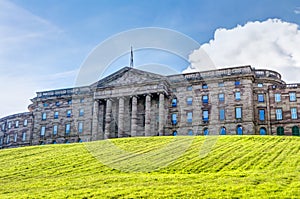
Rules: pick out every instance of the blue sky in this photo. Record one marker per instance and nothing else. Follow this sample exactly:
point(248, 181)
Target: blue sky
point(43, 43)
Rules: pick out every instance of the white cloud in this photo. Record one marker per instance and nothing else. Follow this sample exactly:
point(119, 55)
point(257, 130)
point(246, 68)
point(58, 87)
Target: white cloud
point(271, 44)
point(297, 11)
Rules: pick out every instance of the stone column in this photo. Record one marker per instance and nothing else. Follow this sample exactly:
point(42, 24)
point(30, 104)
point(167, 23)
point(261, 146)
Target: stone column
point(108, 119)
point(95, 120)
point(121, 118)
point(148, 115)
point(134, 117)
point(161, 114)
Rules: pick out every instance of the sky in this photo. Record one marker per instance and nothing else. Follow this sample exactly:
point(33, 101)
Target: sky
point(43, 44)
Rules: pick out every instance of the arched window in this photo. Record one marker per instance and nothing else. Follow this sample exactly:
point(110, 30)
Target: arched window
point(174, 133)
point(205, 131)
point(223, 131)
point(262, 131)
point(174, 102)
point(239, 130)
point(295, 131)
point(280, 130)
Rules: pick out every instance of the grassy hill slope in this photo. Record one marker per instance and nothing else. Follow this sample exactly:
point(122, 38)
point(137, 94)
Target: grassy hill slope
point(155, 167)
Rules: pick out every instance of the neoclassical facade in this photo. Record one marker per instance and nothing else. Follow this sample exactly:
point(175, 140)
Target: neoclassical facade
point(131, 102)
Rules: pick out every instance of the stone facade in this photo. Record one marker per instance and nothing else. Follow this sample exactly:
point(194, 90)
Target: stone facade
point(131, 102)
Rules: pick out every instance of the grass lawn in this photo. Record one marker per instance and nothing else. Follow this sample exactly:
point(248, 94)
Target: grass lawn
point(155, 167)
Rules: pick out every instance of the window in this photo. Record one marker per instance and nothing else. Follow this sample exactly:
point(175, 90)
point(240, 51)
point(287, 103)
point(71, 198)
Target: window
point(24, 136)
point(261, 113)
point(294, 113)
point(277, 97)
point(1, 140)
point(17, 124)
point(80, 127)
point(205, 115)
point(25, 122)
point(82, 100)
point(189, 88)
point(3, 127)
point(190, 132)
point(237, 95)
point(174, 118)
point(278, 114)
point(260, 85)
point(295, 131)
point(205, 99)
point(57, 103)
point(9, 125)
point(44, 116)
point(45, 104)
point(8, 139)
point(221, 84)
point(81, 112)
point(43, 130)
point(70, 102)
point(69, 113)
point(280, 130)
point(55, 129)
point(223, 131)
point(238, 112)
point(189, 101)
point(222, 114)
point(260, 97)
point(204, 86)
point(174, 133)
point(16, 137)
point(239, 130)
point(68, 128)
point(292, 96)
point(56, 115)
point(205, 131)
point(174, 102)
point(189, 117)
point(237, 83)
point(221, 97)
point(262, 131)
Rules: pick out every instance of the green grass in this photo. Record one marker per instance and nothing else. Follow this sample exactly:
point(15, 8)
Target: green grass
point(155, 167)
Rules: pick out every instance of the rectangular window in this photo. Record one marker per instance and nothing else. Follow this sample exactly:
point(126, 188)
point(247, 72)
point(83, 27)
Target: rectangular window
point(24, 136)
point(17, 124)
point(25, 122)
point(44, 116)
point(70, 102)
point(222, 114)
point(189, 101)
point(8, 139)
point(68, 128)
point(205, 115)
point(261, 114)
point(294, 113)
point(260, 97)
point(56, 115)
point(81, 112)
point(57, 103)
point(292, 96)
point(277, 97)
point(237, 95)
point(221, 97)
point(55, 129)
point(9, 125)
point(237, 83)
point(82, 100)
point(205, 99)
point(69, 113)
point(278, 114)
point(3, 127)
point(45, 104)
point(1, 140)
point(189, 88)
point(221, 84)
point(259, 85)
point(16, 137)
point(43, 130)
point(174, 118)
point(189, 117)
point(238, 112)
point(204, 86)
point(80, 127)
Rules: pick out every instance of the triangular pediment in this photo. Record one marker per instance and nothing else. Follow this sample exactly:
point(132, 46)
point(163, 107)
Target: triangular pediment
point(129, 76)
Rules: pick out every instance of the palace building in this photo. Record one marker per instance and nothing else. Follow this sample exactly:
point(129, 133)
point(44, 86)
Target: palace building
point(131, 102)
